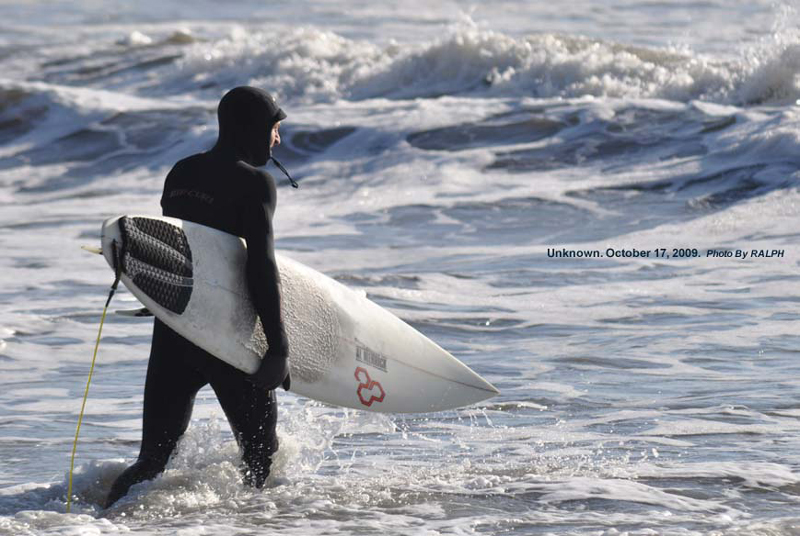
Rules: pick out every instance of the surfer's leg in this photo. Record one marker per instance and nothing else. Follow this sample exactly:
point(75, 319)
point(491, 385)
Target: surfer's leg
point(253, 415)
point(169, 393)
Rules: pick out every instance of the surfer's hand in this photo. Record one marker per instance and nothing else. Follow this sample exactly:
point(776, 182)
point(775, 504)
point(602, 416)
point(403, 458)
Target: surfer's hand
point(287, 383)
point(273, 371)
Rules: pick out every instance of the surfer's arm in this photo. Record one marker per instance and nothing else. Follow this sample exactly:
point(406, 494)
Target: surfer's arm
point(263, 278)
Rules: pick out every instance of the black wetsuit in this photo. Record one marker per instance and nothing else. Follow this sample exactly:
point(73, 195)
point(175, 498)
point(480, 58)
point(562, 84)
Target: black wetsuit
point(220, 188)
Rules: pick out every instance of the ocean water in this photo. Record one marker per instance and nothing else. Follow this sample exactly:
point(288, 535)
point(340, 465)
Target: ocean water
point(462, 164)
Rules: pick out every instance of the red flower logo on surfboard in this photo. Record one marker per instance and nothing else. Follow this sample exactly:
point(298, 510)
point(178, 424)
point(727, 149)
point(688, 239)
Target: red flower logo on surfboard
point(368, 387)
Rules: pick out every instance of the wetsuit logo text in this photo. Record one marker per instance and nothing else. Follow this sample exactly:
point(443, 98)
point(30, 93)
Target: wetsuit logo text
point(196, 194)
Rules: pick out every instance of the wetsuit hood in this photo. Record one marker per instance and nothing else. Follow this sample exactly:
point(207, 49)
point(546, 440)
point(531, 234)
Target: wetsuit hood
point(246, 117)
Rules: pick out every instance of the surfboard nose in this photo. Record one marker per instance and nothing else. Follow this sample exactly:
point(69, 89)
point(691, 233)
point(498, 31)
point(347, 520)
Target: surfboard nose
point(474, 388)
point(485, 385)
point(452, 385)
point(446, 382)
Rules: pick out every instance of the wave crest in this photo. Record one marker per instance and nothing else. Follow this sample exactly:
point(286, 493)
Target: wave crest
point(317, 66)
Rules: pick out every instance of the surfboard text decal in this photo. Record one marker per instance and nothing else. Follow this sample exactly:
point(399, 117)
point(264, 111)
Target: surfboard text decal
point(369, 391)
point(370, 357)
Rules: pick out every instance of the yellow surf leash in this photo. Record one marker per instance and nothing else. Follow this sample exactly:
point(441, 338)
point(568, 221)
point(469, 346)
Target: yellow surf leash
point(89, 381)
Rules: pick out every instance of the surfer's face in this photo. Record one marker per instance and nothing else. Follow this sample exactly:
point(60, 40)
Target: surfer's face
point(274, 135)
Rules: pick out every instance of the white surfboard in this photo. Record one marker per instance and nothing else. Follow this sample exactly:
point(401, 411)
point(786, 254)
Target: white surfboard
point(344, 349)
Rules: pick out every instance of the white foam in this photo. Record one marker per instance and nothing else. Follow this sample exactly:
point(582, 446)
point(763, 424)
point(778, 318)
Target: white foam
point(311, 64)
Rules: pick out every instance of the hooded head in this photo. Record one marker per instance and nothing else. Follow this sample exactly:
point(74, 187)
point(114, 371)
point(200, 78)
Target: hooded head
point(246, 117)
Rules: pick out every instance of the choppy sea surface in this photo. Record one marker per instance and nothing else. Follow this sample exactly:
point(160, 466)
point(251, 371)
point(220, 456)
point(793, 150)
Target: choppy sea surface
point(454, 162)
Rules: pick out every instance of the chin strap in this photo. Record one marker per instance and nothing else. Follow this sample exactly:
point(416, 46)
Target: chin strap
point(280, 166)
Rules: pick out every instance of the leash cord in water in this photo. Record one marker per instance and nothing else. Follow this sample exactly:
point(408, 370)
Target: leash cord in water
point(89, 381)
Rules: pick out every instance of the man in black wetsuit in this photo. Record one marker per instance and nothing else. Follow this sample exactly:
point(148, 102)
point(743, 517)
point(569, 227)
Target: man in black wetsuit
point(221, 188)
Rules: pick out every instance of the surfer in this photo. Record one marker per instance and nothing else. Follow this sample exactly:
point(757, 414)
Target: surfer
point(222, 188)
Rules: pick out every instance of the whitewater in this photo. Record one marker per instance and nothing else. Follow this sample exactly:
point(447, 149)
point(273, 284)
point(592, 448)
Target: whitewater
point(443, 153)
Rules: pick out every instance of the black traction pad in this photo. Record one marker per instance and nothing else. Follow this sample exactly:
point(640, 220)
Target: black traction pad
point(157, 258)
